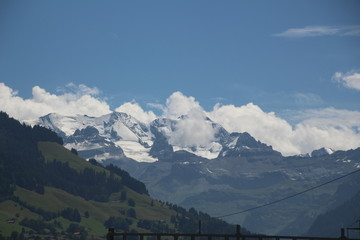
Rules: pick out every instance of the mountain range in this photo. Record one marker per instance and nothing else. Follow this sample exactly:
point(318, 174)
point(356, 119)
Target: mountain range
point(230, 173)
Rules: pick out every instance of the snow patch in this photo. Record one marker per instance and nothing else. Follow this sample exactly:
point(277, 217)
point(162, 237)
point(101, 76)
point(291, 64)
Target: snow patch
point(136, 151)
point(210, 152)
point(329, 150)
point(233, 143)
point(124, 132)
point(104, 156)
point(185, 163)
point(83, 146)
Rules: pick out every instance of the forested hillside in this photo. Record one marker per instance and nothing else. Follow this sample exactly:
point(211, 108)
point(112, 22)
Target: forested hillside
point(47, 191)
point(19, 155)
point(23, 164)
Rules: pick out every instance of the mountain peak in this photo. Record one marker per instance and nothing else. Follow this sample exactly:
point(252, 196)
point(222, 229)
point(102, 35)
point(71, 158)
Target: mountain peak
point(322, 152)
point(243, 144)
point(89, 130)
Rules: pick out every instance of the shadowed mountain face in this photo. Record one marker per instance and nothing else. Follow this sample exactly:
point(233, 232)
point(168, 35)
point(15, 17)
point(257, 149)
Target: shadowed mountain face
point(242, 173)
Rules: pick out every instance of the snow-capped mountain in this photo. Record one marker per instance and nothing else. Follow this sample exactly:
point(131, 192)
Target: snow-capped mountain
point(240, 144)
point(115, 135)
point(118, 135)
point(322, 152)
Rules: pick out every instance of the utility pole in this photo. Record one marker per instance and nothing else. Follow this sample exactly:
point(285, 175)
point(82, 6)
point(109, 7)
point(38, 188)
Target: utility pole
point(342, 234)
point(110, 234)
point(238, 232)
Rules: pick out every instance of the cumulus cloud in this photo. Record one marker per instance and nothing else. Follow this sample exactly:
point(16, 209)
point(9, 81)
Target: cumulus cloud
point(337, 129)
point(193, 130)
point(329, 127)
point(134, 109)
point(266, 127)
point(42, 102)
point(349, 79)
point(178, 104)
point(309, 137)
point(315, 31)
point(310, 129)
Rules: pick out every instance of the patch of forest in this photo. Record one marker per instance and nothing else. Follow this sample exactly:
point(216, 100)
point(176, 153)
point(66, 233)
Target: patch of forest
point(22, 164)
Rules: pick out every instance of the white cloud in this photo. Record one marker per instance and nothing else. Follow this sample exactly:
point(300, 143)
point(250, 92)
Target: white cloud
point(314, 31)
point(309, 31)
point(85, 90)
point(42, 102)
point(266, 127)
point(79, 90)
point(313, 129)
point(192, 127)
point(193, 130)
point(329, 127)
point(178, 104)
point(329, 117)
point(349, 79)
point(134, 109)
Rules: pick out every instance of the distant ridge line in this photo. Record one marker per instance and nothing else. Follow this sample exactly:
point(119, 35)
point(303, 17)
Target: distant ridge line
point(291, 196)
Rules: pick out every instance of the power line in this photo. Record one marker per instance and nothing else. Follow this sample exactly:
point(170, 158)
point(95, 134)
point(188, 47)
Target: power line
point(291, 196)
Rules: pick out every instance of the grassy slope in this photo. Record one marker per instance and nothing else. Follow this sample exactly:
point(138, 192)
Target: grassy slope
point(52, 151)
point(55, 200)
point(9, 210)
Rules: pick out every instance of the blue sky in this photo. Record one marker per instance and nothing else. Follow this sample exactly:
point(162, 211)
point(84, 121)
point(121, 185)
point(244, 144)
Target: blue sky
point(287, 57)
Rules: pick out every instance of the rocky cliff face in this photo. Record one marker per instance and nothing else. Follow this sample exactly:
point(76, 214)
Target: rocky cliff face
point(243, 145)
